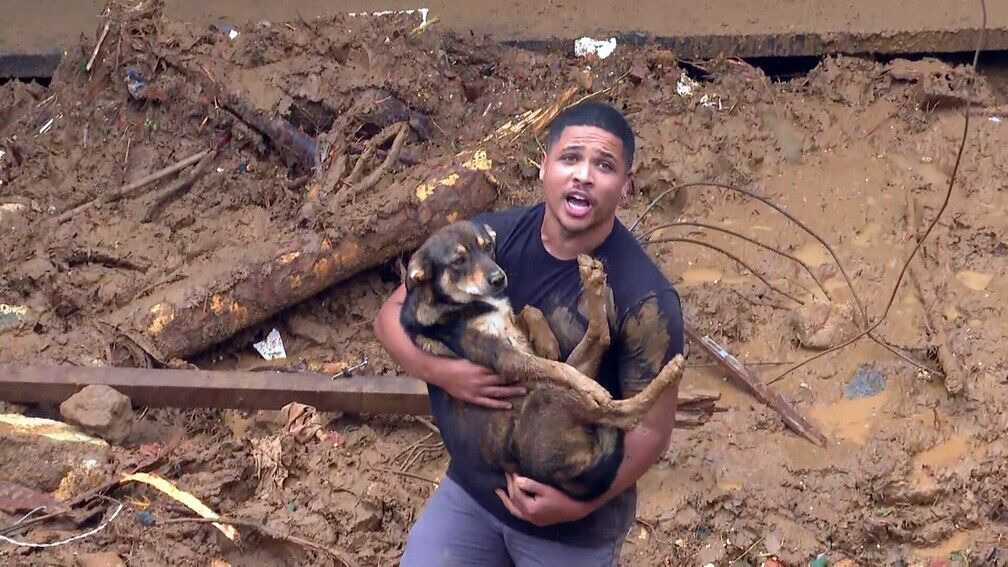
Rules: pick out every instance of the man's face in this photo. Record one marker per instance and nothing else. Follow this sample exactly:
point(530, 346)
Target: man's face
point(584, 176)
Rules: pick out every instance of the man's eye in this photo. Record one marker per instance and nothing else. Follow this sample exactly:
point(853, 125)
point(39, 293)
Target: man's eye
point(569, 158)
point(606, 166)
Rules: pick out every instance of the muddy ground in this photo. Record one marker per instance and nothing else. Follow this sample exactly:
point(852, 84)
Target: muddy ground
point(911, 472)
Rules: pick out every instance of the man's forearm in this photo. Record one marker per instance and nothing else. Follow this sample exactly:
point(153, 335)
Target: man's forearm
point(400, 346)
point(643, 446)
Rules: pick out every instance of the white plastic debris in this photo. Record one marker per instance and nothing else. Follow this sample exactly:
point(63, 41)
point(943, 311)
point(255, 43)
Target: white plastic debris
point(422, 11)
point(994, 119)
point(271, 348)
point(712, 101)
point(686, 86)
point(601, 47)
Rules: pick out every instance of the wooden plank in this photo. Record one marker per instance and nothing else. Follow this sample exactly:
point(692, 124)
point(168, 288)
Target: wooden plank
point(761, 391)
point(399, 395)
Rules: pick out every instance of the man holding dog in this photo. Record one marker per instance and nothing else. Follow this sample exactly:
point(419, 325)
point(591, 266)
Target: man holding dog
point(479, 516)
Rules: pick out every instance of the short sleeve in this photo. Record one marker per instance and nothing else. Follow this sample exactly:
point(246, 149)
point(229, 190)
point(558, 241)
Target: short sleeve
point(651, 334)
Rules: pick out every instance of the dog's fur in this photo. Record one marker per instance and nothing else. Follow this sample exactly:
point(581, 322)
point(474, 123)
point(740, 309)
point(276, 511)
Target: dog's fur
point(567, 431)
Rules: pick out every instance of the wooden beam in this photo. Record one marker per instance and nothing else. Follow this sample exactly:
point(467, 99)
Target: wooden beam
point(399, 395)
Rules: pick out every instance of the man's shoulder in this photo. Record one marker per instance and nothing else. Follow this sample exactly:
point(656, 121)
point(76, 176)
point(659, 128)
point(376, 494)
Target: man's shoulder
point(504, 217)
point(505, 222)
point(632, 273)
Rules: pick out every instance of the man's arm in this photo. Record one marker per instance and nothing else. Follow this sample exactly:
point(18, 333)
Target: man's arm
point(459, 377)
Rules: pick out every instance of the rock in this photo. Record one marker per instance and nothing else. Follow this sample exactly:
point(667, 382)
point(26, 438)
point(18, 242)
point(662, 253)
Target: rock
point(102, 559)
point(39, 453)
point(819, 561)
point(367, 517)
point(100, 410)
point(867, 382)
point(820, 325)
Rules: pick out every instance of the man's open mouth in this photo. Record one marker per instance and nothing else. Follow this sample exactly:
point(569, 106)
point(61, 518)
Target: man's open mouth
point(577, 204)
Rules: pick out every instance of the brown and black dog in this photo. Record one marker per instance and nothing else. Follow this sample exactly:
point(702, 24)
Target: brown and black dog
point(567, 431)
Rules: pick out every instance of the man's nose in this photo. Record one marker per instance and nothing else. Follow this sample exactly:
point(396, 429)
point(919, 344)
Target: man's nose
point(582, 171)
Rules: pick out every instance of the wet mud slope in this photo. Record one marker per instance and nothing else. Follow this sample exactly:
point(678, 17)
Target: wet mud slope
point(861, 151)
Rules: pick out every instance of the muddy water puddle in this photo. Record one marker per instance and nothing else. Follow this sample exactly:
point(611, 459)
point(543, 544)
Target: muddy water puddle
point(850, 420)
point(977, 281)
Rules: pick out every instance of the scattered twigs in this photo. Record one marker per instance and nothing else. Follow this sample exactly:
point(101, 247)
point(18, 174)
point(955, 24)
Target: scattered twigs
point(409, 475)
point(77, 537)
point(772, 205)
point(927, 232)
point(87, 496)
point(266, 531)
point(108, 259)
point(764, 394)
point(390, 158)
point(765, 246)
point(129, 188)
point(353, 185)
point(97, 47)
point(169, 193)
point(754, 271)
point(929, 300)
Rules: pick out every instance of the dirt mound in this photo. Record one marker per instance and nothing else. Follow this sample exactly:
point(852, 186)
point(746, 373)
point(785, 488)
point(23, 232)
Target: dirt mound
point(910, 472)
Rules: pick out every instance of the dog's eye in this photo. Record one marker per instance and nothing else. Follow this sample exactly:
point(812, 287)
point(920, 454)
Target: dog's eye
point(458, 261)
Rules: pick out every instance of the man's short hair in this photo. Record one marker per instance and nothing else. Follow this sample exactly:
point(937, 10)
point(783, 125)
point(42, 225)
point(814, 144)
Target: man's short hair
point(599, 115)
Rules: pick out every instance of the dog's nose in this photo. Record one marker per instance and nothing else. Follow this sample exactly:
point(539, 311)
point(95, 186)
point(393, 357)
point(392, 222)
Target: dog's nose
point(498, 280)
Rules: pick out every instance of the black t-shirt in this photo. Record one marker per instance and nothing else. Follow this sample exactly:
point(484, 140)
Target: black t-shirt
point(646, 329)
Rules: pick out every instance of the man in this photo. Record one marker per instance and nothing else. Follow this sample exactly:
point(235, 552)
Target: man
point(479, 516)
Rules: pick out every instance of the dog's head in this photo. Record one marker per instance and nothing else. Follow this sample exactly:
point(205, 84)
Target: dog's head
point(457, 263)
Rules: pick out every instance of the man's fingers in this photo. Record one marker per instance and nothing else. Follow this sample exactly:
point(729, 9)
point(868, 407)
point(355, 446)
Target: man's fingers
point(491, 403)
point(509, 505)
point(528, 485)
point(503, 391)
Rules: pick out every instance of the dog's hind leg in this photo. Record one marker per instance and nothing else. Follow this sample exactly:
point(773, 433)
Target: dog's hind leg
point(587, 355)
point(538, 331)
point(626, 414)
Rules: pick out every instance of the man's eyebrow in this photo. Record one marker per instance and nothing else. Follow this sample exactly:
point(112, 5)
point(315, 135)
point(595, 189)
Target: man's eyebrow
point(573, 147)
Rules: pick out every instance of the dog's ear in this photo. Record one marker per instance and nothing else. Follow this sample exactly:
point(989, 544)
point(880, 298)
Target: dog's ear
point(418, 271)
point(490, 232)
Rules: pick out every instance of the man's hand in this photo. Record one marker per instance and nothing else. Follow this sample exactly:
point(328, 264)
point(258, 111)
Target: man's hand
point(462, 379)
point(475, 384)
point(540, 504)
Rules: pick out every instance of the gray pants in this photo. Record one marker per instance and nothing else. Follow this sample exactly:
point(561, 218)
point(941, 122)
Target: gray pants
point(455, 531)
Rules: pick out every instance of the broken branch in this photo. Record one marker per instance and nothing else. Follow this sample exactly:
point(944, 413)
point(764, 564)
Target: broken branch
point(125, 190)
point(755, 272)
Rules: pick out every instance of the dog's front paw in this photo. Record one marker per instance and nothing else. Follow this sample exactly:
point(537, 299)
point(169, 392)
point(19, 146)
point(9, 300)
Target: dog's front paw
point(592, 272)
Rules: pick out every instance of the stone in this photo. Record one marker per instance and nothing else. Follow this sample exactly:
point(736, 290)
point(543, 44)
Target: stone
point(820, 325)
point(868, 381)
point(40, 453)
point(101, 559)
point(100, 410)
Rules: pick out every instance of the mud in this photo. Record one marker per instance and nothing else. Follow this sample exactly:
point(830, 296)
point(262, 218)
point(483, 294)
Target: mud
point(912, 472)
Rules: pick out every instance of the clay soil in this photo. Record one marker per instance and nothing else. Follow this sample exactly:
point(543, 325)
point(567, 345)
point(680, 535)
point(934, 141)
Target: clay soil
point(913, 472)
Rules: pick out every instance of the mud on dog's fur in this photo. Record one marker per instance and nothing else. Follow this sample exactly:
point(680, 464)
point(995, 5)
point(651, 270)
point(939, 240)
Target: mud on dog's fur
point(567, 431)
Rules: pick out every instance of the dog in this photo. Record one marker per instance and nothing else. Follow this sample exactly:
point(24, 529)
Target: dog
point(566, 431)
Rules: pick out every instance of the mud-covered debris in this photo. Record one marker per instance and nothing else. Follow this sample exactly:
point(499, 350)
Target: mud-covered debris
point(12, 316)
point(39, 453)
point(821, 325)
point(367, 517)
point(17, 499)
point(867, 382)
point(100, 559)
point(100, 410)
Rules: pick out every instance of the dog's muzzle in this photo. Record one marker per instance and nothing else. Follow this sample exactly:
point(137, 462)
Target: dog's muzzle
point(498, 280)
